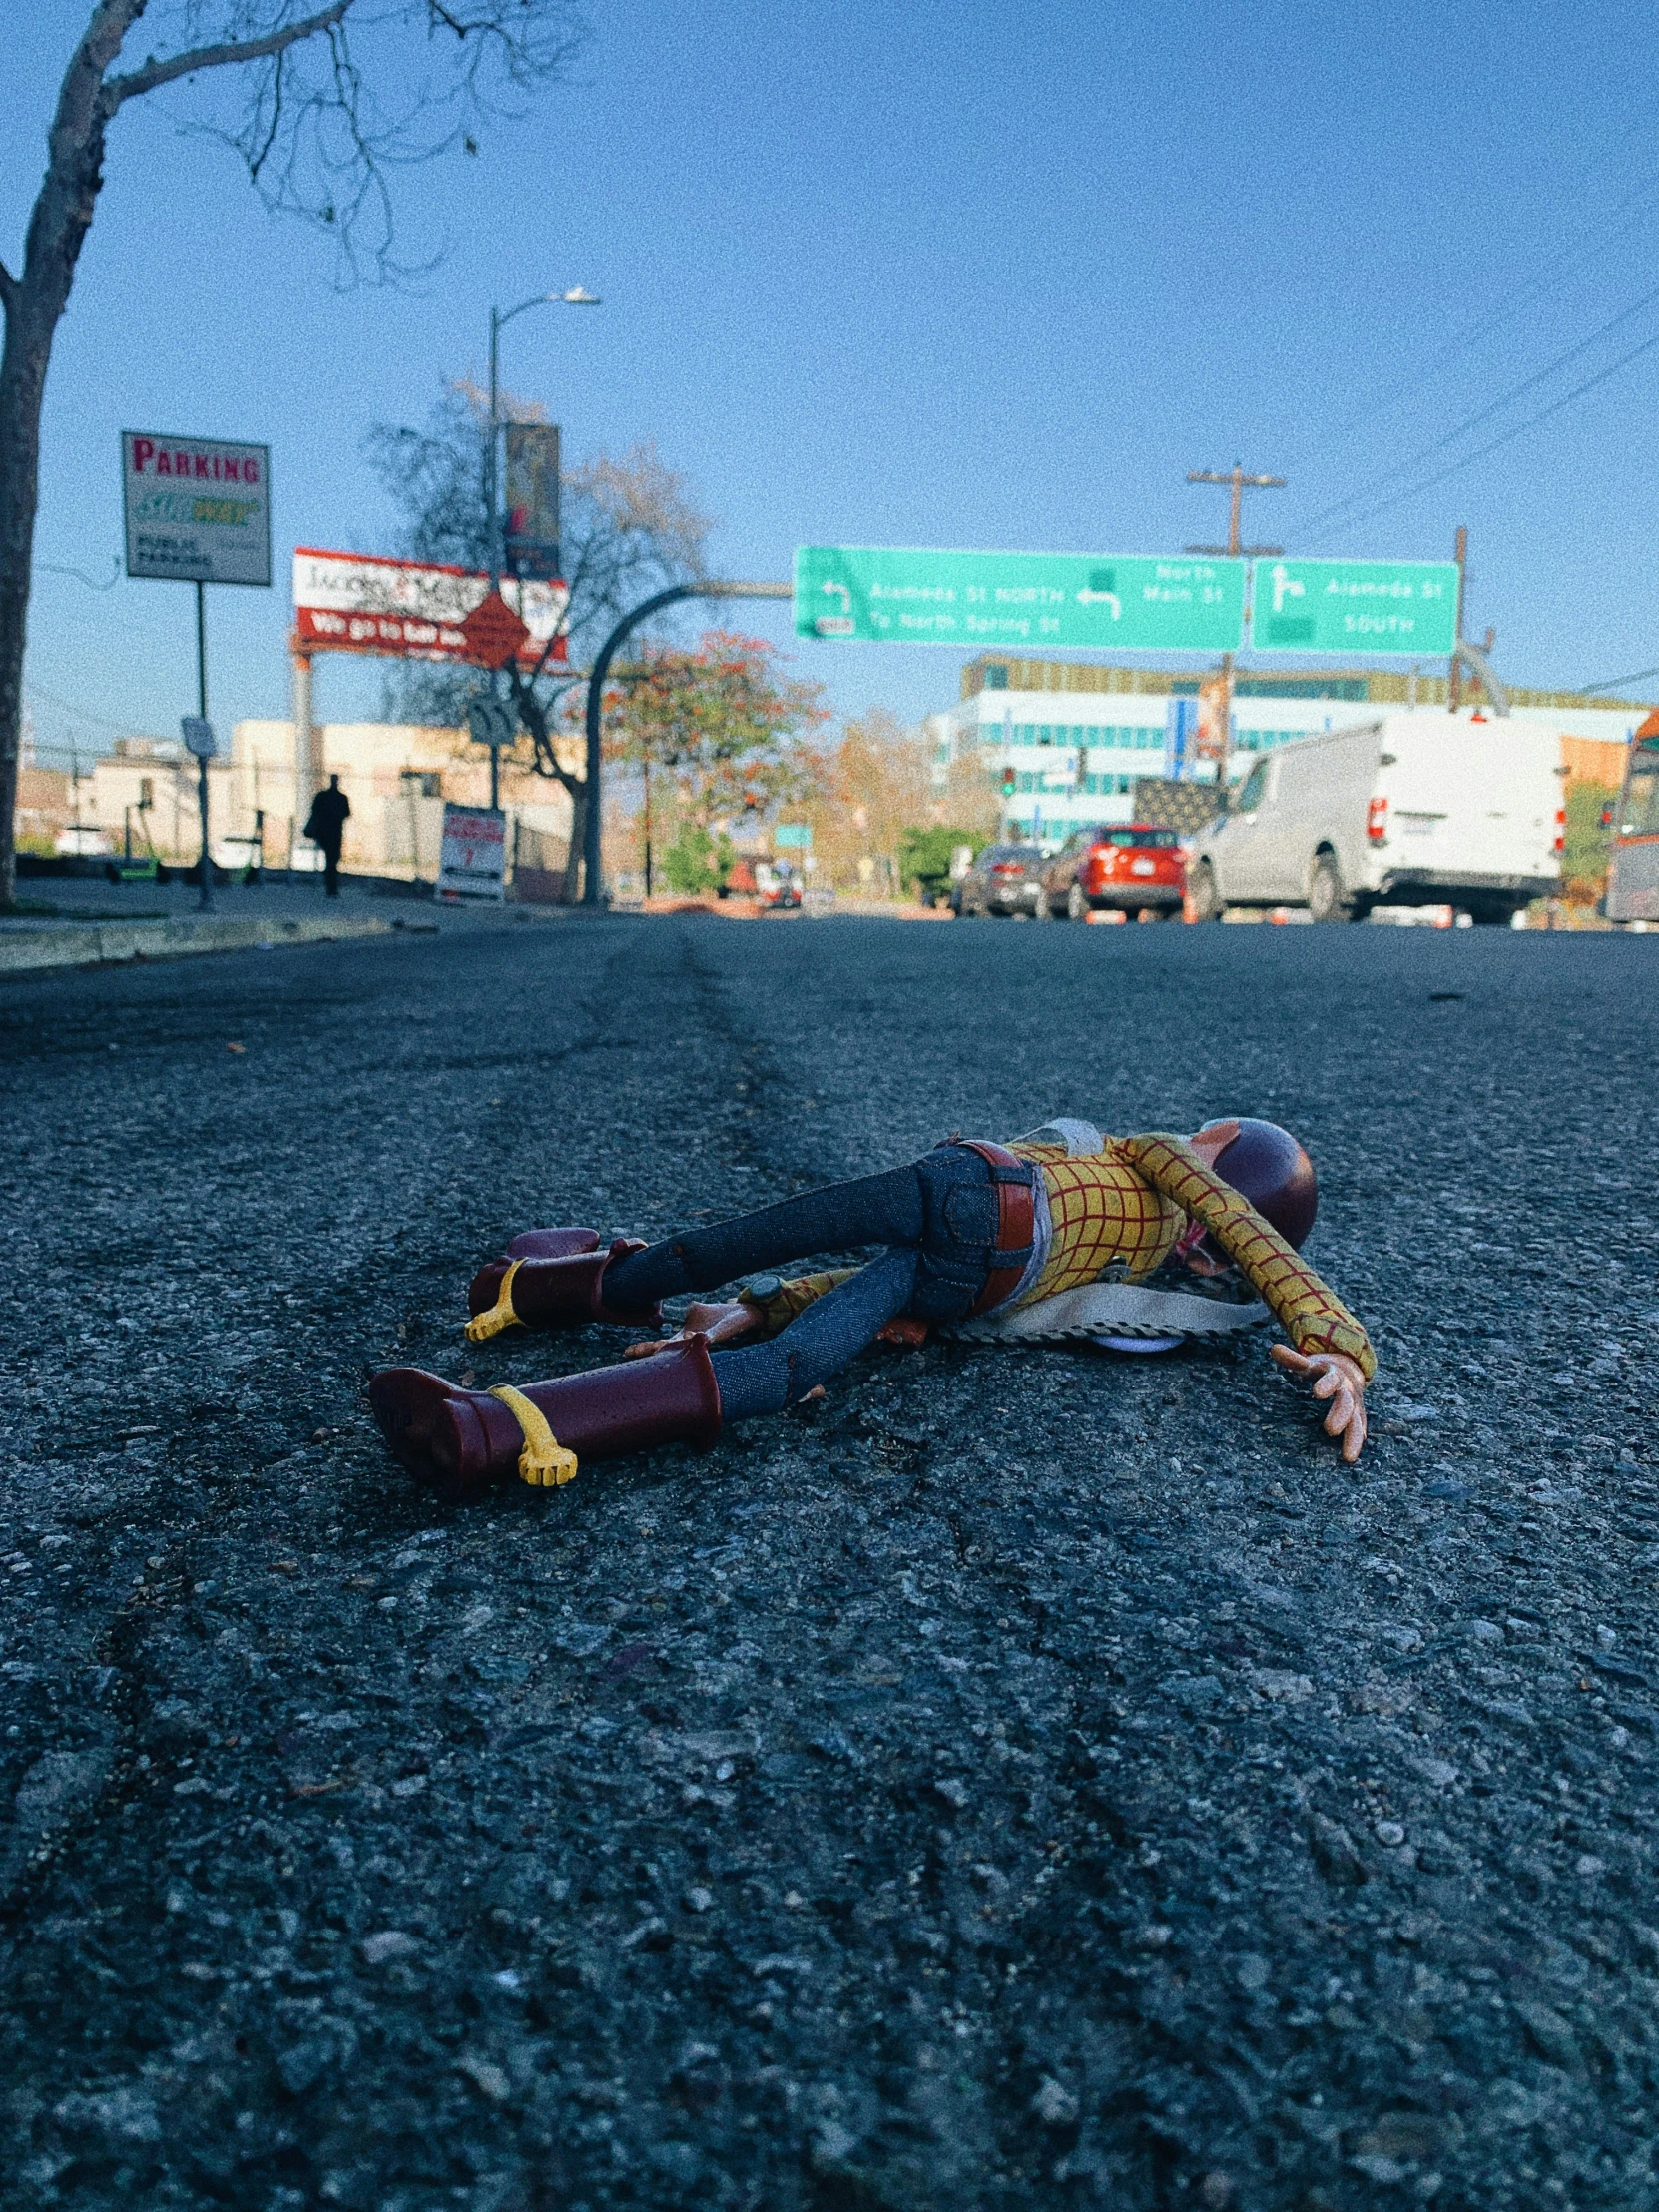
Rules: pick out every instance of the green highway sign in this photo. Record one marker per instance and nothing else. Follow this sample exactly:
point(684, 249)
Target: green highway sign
point(1407, 607)
point(1036, 600)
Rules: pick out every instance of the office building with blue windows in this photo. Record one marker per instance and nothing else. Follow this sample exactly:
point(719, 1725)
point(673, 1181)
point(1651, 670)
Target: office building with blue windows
point(1075, 737)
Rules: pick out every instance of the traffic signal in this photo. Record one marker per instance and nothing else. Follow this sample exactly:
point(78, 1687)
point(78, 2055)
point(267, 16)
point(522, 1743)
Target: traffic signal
point(1009, 782)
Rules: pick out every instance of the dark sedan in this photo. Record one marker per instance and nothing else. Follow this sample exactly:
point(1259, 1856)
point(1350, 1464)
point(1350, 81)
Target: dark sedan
point(1005, 879)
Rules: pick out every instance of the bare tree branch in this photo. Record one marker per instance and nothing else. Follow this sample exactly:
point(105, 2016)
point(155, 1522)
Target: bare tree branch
point(320, 133)
point(154, 73)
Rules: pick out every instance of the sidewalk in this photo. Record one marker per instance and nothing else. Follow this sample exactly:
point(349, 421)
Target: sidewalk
point(79, 923)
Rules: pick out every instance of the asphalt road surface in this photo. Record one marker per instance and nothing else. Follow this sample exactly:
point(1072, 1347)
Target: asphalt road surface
point(1021, 1777)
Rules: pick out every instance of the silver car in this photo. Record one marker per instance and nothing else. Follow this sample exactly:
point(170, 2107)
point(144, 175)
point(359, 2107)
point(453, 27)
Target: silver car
point(1005, 879)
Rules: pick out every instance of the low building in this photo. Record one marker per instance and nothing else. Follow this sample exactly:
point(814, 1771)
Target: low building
point(397, 775)
point(1075, 737)
point(141, 796)
point(45, 808)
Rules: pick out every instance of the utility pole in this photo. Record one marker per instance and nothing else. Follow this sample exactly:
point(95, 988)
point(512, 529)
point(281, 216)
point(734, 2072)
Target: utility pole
point(1454, 674)
point(1233, 550)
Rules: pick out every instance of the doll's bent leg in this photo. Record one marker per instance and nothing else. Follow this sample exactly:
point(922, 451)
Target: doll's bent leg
point(764, 1378)
point(462, 1439)
point(945, 1207)
point(882, 1208)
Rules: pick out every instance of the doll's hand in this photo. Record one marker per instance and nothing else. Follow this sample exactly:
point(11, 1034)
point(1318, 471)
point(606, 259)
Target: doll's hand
point(723, 1324)
point(1337, 1378)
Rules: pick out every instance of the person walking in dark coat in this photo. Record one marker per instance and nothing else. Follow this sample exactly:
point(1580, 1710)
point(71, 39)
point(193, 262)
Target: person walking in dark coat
point(325, 827)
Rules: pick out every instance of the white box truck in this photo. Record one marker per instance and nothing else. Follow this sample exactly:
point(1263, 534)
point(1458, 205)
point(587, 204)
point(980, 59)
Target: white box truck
point(1416, 808)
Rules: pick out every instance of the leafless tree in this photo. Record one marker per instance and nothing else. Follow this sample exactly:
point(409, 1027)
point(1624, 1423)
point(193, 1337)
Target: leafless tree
point(629, 528)
point(321, 108)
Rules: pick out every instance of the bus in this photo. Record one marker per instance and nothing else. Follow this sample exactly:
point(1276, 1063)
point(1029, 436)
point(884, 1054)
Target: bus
point(1634, 874)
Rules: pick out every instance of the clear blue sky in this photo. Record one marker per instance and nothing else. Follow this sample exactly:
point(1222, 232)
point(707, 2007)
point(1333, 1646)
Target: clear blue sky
point(963, 276)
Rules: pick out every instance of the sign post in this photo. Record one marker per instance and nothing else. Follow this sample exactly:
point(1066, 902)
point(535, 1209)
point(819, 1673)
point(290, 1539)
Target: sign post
point(1405, 607)
point(1124, 601)
point(196, 510)
point(199, 739)
point(493, 721)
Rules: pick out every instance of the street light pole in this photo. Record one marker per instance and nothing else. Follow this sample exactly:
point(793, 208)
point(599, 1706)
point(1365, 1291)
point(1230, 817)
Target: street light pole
point(593, 883)
point(576, 298)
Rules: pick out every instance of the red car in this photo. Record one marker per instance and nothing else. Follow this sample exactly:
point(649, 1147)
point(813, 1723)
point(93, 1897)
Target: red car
point(1122, 866)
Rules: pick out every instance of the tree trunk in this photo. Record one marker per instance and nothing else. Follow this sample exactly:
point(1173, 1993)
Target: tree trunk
point(34, 303)
point(533, 712)
point(22, 387)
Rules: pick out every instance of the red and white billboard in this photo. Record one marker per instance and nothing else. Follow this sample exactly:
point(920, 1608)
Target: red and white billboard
point(361, 603)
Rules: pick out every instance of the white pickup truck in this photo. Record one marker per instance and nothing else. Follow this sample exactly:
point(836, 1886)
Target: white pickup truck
point(1416, 808)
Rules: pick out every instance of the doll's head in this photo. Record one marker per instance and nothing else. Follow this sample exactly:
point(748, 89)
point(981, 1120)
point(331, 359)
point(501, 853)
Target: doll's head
point(1267, 1166)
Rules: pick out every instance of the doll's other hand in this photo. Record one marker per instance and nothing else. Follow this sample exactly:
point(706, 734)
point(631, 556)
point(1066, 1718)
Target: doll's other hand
point(1337, 1378)
point(726, 1322)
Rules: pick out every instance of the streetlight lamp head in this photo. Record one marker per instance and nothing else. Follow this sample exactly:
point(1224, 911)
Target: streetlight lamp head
point(579, 298)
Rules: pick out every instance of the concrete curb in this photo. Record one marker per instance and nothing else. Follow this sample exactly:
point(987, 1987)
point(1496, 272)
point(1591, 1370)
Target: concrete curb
point(95, 944)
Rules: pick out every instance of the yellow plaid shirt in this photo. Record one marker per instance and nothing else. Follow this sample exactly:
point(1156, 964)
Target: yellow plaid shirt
point(1102, 1213)
point(1129, 1204)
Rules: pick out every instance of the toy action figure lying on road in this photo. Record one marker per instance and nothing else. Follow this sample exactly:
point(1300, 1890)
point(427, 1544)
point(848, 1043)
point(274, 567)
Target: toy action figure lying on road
point(983, 1240)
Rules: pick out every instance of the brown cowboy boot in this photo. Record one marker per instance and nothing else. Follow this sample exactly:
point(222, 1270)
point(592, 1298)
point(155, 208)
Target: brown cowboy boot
point(462, 1440)
point(553, 1243)
point(551, 1289)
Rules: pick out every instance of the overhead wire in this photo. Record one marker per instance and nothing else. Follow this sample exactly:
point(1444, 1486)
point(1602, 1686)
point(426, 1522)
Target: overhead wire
point(85, 713)
point(1485, 323)
point(1612, 683)
point(1484, 414)
point(1505, 437)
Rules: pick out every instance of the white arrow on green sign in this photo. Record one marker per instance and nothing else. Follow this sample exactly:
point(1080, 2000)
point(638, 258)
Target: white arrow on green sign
point(1130, 601)
point(1407, 607)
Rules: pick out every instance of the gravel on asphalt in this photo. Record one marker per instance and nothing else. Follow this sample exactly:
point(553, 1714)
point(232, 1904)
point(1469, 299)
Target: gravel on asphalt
point(1022, 1777)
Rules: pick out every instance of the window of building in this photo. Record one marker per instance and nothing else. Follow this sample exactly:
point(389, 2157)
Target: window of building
point(420, 782)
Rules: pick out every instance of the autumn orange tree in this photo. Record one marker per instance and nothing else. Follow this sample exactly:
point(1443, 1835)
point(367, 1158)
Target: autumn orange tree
point(878, 793)
point(727, 727)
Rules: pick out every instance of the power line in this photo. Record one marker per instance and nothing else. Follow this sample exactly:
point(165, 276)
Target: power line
point(1484, 414)
point(85, 713)
point(1480, 452)
point(1487, 321)
point(1613, 682)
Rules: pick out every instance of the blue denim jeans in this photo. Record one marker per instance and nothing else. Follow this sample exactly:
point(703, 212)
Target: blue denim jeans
point(938, 1218)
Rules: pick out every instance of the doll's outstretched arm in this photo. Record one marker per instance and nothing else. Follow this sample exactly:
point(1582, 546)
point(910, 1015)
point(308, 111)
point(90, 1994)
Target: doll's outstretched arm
point(1306, 1308)
point(1329, 1343)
